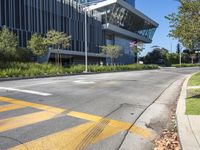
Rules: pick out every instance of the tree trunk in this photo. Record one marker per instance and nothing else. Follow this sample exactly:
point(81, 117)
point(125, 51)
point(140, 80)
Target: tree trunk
point(60, 60)
point(57, 58)
point(137, 59)
point(111, 61)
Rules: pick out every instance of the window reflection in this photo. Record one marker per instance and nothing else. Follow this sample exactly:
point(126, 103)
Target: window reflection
point(120, 16)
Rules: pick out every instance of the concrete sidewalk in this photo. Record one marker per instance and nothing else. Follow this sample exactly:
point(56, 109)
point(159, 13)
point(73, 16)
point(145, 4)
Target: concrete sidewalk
point(188, 126)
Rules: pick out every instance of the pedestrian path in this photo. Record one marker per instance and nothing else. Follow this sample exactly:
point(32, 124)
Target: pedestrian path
point(95, 129)
point(188, 125)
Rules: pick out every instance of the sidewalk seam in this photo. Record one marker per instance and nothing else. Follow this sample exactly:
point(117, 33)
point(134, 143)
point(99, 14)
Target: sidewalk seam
point(193, 131)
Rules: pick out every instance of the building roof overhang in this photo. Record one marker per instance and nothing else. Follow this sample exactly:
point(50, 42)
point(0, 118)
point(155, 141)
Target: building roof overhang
point(126, 33)
point(76, 53)
point(106, 3)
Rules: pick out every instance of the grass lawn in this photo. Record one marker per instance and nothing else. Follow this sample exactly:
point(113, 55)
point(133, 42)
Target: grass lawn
point(193, 106)
point(193, 102)
point(195, 80)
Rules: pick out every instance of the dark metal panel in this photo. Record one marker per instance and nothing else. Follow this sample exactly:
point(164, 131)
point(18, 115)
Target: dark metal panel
point(25, 17)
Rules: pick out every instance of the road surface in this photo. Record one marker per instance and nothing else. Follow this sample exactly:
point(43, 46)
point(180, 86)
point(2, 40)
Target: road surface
point(79, 112)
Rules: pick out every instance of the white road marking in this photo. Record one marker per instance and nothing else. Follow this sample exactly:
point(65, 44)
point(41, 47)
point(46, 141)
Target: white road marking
point(84, 82)
point(80, 78)
point(41, 83)
point(25, 91)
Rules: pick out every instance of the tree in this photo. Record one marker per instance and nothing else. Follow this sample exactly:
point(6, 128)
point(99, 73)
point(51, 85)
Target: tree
point(112, 51)
point(58, 40)
point(171, 58)
point(137, 48)
point(185, 25)
point(37, 45)
point(156, 56)
point(8, 44)
point(23, 54)
point(191, 55)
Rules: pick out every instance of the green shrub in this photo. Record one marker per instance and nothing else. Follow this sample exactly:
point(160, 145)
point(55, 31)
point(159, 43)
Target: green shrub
point(185, 65)
point(16, 69)
point(19, 69)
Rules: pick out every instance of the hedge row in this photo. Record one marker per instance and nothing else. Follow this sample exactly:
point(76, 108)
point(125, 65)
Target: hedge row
point(185, 65)
point(18, 69)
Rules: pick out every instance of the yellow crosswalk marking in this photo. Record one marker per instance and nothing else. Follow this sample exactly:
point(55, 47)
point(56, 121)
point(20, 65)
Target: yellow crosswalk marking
point(84, 116)
point(76, 138)
point(20, 121)
point(33, 105)
point(50, 112)
point(9, 107)
point(113, 123)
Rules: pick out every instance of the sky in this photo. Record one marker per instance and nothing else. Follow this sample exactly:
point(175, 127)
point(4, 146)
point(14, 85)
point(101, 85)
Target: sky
point(157, 10)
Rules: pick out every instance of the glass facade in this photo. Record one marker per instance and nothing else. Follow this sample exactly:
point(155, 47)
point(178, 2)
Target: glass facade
point(25, 17)
point(123, 18)
point(131, 2)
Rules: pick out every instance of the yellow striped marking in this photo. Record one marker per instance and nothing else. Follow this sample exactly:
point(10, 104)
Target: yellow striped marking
point(113, 123)
point(33, 105)
point(76, 138)
point(9, 107)
point(24, 120)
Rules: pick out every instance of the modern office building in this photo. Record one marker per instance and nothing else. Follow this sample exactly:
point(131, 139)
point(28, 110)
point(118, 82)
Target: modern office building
point(108, 22)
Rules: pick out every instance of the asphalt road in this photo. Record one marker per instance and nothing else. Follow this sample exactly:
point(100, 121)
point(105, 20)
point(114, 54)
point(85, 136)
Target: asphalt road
point(79, 112)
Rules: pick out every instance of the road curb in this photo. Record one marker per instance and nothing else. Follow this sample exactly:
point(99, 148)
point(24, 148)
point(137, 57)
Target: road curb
point(187, 138)
point(155, 117)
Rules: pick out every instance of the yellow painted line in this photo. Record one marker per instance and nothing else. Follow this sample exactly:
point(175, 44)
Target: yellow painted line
point(76, 138)
point(33, 105)
point(9, 107)
point(24, 120)
point(113, 123)
point(84, 116)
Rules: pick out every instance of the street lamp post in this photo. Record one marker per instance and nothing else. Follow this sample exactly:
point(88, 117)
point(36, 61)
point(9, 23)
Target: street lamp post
point(86, 43)
point(180, 61)
point(179, 48)
point(86, 9)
